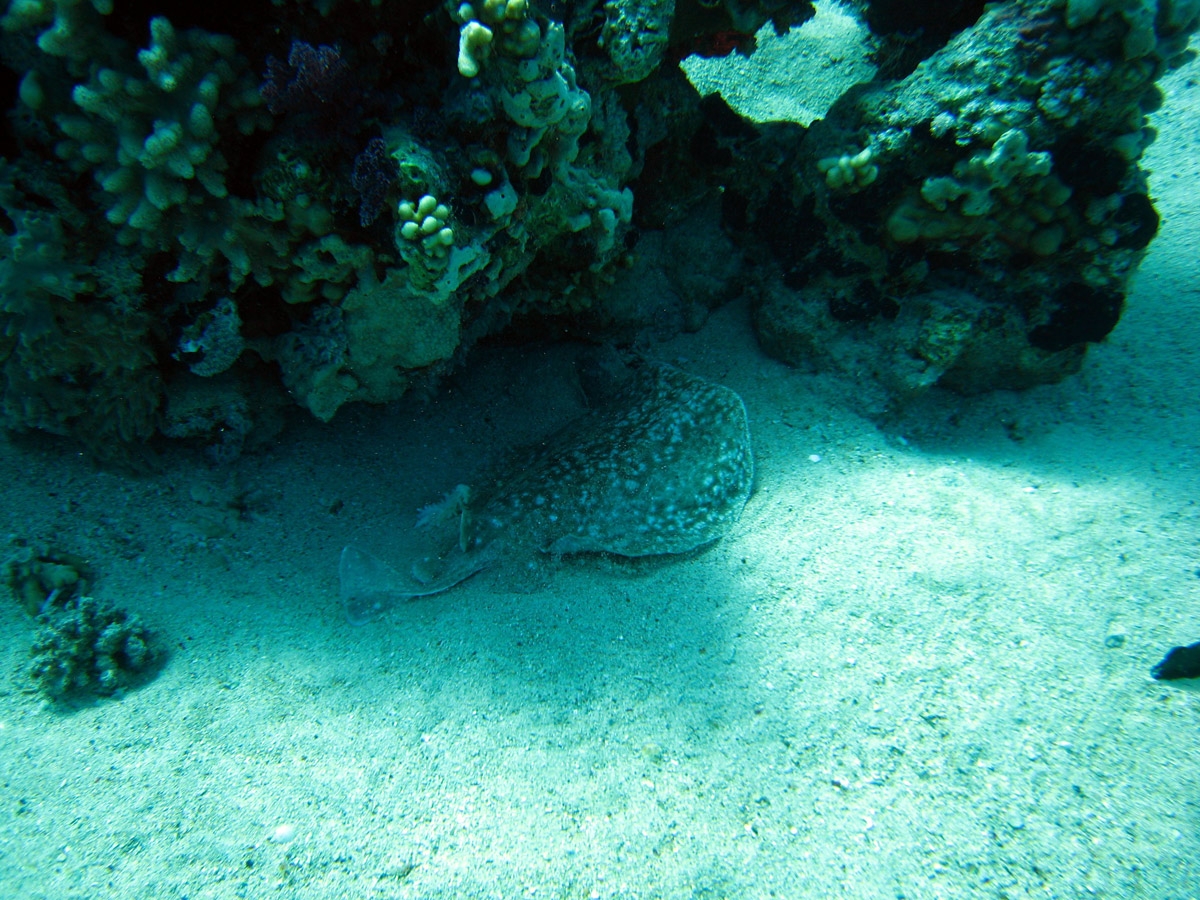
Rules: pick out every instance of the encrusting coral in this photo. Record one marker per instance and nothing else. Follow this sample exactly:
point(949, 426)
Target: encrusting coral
point(995, 185)
point(87, 647)
point(83, 646)
point(350, 215)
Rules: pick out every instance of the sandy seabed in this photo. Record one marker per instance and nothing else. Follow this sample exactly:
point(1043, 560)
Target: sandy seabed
point(918, 667)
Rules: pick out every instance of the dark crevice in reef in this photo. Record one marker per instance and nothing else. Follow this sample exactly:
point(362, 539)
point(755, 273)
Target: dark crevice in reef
point(910, 32)
point(1083, 313)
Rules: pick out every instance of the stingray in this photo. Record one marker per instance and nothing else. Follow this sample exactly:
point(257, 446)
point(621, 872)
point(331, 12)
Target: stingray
point(662, 468)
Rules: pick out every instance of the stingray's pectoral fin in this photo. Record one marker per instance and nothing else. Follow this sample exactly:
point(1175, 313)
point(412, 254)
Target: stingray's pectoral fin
point(368, 585)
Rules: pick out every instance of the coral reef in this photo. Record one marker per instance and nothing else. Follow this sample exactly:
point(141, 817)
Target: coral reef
point(344, 198)
point(991, 197)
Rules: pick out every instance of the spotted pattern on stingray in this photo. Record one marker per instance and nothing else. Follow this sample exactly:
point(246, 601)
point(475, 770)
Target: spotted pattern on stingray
point(664, 468)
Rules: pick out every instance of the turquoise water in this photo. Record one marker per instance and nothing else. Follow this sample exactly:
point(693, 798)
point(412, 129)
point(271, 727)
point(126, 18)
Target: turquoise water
point(895, 676)
point(917, 666)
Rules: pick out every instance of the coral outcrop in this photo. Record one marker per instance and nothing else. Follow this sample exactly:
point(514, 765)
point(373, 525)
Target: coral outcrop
point(83, 646)
point(991, 197)
point(345, 197)
point(88, 647)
